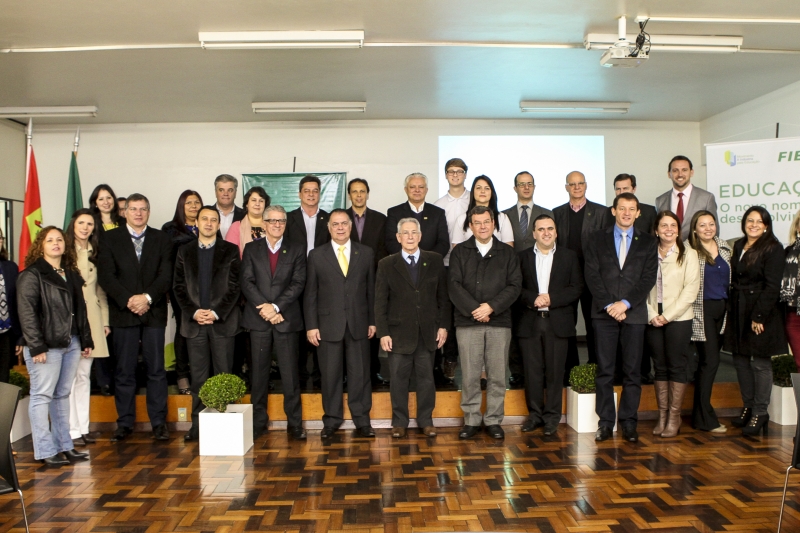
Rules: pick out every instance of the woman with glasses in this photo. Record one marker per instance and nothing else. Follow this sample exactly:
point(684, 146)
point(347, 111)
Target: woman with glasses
point(9, 321)
point(251, 227)
point(483, 194)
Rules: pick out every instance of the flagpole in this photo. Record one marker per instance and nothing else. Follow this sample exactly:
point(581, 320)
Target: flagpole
point(77, 140)
point(29, 135)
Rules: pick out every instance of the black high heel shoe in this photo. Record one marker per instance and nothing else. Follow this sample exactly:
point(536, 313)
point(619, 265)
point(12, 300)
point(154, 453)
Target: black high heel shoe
point(758, 423)
point(743, 419)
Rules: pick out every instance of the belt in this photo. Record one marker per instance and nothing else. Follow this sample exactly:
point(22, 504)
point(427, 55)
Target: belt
point(543, 314)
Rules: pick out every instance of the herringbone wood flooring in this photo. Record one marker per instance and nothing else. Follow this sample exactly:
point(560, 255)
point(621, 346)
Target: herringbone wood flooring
point(528, 482)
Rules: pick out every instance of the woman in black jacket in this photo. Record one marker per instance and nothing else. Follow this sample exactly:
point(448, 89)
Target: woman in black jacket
point(55, 330)
point(9, 322)
point(755, 329)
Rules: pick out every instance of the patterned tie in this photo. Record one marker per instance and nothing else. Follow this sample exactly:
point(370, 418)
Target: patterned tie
point(137, 245)
point(623, 250)
point(5, 316)
point(679, 209)
point(342, 260)
point(523, 220)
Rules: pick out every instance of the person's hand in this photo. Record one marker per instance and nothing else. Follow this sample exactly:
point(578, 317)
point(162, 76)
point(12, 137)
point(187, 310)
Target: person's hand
point(441, 337)
point(543, 300)
point(662, 321)
point(277, 319)
point(86, 353)
point(19, 351)
point(266, 311)
point(371, 331)
point(41, 358)
point(616, 309)
point(386, 343)
point(481, 314)
point(313, 336)
point(655, 322)
point(138, 304)
point(621, 317)
point(107, 330)
point(757, 328)
point(204, 317)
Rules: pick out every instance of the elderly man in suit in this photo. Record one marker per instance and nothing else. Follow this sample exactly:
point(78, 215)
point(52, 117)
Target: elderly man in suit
point(412, 311)
point(685, 199)
point(135, 270)
point(339, 307)
point(432, 219)
point(620, 269)
point(551, 283)
point(225, 187)
point(206, 287)
point(273, 278)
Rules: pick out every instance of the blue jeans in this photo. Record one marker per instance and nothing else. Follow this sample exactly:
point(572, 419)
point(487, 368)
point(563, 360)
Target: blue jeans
point(51, 383)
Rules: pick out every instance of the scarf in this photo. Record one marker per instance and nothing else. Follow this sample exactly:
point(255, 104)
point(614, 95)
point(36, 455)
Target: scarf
point(790, 280)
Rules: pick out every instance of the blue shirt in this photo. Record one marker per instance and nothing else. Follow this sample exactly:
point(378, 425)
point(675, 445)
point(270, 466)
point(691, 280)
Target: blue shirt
point(619, 234)
point(406, 256)
point(716, 280)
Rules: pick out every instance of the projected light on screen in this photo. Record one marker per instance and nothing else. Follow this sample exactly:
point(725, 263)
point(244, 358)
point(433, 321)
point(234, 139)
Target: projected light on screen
point(548, 157)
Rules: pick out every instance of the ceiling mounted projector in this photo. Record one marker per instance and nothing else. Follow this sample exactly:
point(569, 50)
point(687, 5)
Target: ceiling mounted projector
point(624, 53)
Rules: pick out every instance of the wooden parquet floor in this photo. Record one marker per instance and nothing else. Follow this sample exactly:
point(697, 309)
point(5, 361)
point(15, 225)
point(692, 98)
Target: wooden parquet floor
point(565, 483)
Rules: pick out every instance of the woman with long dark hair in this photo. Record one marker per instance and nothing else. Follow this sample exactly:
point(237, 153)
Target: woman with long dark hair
point(755, 330)
point(484, 194)
point(9, 321)
point(251, 227)
point(790, 288)
point(103, 204)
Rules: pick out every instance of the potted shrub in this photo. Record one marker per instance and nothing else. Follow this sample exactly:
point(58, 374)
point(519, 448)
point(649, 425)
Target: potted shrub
point(782, 407)
point(226, 426)
point(581, 398)
point(22, 422)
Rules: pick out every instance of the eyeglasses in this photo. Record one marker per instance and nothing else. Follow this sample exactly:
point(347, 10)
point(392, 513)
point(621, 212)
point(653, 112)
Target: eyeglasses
point(278, 221)
point(484, 223)
point(577, 184)
point(407, 233)
point(457, 172)
point(525, 185)
point(139, 209)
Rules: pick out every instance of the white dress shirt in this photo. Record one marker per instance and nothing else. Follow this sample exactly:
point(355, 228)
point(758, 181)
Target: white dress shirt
point(483, 248)
point(453, 208)
point(544, 266)
point(277, 245)
point(687, 193)
point(414, 209)
point(311, 228)
point(346, 251)
point(225, 221)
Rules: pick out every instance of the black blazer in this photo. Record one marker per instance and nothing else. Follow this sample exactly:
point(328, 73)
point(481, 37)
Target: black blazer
point(121, 275)
point(565, 288)
point(594, 218)
point(296, 228)
point(633, 282)
point(10, 272)
point(284, 289)
point(224, 288)
point(432, 223)
point(238, 213)
point(374, 234)
point(645, 223)
point(403, 309)
point(333, 302)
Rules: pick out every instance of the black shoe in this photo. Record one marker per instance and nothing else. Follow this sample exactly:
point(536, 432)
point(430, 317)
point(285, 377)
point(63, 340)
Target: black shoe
point(467, 432)
point(603, 433)
point(105, 390)
point(88, 439)
point(757, 424)
point(160, 432)
point(296, 432)
point(531, 425)
point(192, 434)
point(121, 434)
point(80, 441)
point(495, 431)
point(630, 434)
point(56, 460)
point(73, 456)
point(743, 419)
point(484, 383)
point(327, 432)
point(366, 431)
point(317, 383)
point(258, 432)
point(647, 379)
point(185, 392)
point(550, 429)
point(379, 381)
point(516, 381)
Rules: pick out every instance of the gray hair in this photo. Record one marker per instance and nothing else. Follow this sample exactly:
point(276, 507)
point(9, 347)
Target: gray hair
point(226, 178)
point(416, 175)
point(277, 208)
point(407, 221)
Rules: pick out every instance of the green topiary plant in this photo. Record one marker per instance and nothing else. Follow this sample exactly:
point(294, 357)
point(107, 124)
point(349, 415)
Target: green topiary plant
point(581, 378)
point(220, 390)
point(18, 380)
point(783, 366)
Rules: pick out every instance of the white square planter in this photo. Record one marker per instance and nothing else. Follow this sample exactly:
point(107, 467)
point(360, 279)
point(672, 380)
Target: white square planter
point(21, 427)
point(228, 433)
point(782, 406)
point(581, 415)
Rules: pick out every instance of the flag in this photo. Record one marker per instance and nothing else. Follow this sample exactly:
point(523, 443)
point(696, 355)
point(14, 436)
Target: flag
point(74, 196)
point(31, 211)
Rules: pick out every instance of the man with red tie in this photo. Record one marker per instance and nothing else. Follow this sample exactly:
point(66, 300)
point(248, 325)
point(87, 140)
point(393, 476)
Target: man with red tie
point(685, 199)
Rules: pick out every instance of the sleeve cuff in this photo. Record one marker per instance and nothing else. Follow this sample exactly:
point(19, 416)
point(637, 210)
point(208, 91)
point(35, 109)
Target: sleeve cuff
point(277, 309)
point(627, 303)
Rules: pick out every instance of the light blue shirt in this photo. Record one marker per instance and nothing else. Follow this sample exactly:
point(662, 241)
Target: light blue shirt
point(619, 234)
point(406, 256)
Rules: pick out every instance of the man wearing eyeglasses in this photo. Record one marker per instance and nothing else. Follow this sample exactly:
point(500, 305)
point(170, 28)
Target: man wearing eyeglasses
point(273, 279)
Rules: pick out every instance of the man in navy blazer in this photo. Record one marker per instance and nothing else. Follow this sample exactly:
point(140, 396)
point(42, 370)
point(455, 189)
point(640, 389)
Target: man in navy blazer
point(431, 218)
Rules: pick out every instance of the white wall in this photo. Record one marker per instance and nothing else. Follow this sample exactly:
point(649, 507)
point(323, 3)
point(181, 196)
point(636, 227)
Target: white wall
point(161, 160)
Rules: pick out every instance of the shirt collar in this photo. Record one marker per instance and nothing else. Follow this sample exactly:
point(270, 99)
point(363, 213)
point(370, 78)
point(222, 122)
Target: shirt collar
point(539, 252)
point(133, 233)
point(686, 192)
point(578, 207)
point(206, 246)
point(452, 198)
point(529, 204)
point(618, 232)
point(336, 246)
point(306, 215)
point(406, 255)
point(414, 209)
point(277, 245)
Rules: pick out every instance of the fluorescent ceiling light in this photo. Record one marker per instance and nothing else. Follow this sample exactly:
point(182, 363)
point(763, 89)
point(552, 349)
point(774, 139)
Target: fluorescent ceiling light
point(553, 106)
point(671, 43)
point(642, 18)
point(50, 111)
point(309, 107)
point(281, 39)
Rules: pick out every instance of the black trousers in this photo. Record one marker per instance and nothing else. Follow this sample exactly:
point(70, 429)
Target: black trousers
point(261, 343)
point(591, 344)
point(126, 345)
point(374, 352)
point(359, 385)
point(755, 381)
point(207, 353)
point(608, 332)
point(104, 368)
point(401, 367)
point(669, 346)
point(703, 415)
point(7, 350)
point(543, 355)
point(179, 342)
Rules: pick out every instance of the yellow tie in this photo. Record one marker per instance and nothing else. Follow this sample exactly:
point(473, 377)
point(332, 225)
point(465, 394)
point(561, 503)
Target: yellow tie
point(342, 260)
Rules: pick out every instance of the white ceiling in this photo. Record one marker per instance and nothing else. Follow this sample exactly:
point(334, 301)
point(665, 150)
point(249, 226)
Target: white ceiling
point(196, 85)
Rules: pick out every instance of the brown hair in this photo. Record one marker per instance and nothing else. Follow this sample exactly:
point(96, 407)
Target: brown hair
point(678, 241)
point(68, 261)
point(694, 240)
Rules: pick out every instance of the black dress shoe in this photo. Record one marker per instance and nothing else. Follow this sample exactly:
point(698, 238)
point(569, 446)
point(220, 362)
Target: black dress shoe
point(160, 432)
point(56, 460)
point(79, 442)
point(296, 432)
point(192, 434)
point(531, 425)
point(467, 432)
point(366, 431)
point(516, 381)
point(327, 432)
point(495, 431)
point(88, 439)
point(379, 381)
point(550, 429)
point(73, 456)
point(121, 434)
point(630, 434)
point(603, 433)
point(258, 432)
point(105, 390)
point(647, 379)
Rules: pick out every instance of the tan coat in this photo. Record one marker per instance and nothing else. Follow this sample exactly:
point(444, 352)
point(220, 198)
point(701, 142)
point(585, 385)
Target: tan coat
point(96, 302)
point(680, 283)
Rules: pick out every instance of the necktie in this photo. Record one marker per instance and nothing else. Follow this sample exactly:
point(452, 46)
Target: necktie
point(679, 209)
point(137, 245)
point(523, 220)
point(412, 267)
point(623, 250)
point(342, 260)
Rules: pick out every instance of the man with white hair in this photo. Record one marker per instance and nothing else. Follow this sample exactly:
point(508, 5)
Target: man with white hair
point(432, 219)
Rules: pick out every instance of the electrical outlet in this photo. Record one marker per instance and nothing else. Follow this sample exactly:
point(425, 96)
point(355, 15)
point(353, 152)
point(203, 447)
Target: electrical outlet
point(181, 414)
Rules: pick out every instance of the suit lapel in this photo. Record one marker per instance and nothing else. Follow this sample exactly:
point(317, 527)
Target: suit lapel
point(399, 265)
point(612, 245)
point(355, 258)
point(330, 255)
point(217, 262)
point(282, 251)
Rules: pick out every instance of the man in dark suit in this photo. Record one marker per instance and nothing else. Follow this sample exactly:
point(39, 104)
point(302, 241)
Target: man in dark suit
point(206, 287)
point(576, 221)
point(684, 199)
point(273, 278)
point(369, 227)
point(9, 321)
point(339, 309)
point(620, 270)
point(225, 187)
point(647, 213)
point(551, 284)
point(411, 288)
point(431, 218)
point(135, 270)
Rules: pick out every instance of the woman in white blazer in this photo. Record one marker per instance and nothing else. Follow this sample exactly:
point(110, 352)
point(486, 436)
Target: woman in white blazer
point(670, 312)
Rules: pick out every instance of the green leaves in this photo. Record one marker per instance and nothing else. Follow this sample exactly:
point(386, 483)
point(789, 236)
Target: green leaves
point(582, 377)
point(18, 380)
point(220, 390)
point(783, 366)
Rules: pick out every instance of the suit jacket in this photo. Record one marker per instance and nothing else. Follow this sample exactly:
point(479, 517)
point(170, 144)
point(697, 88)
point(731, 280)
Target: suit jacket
point(296, 228)
point(594, 218)
point(564, 287)
point(238, 213)
point(224, 288)
point(374, 234)
point(699, 200)
point(284, 289)
point(333, 301)
point(122, 275)
point(432, 223)
point(609, 284)
point(523, 242)
point(10, 272)
point(645, 222)
point(403, 309)
point(680, 285)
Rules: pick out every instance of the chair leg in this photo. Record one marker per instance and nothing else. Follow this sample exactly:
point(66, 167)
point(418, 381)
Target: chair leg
point(25, 514)
point(783, 500)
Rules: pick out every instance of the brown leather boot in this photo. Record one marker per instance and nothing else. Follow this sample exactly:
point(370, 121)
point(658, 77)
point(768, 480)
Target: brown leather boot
point(676, 392)
point(662, 398)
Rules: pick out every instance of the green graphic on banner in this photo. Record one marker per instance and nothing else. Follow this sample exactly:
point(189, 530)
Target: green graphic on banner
point(283, 188)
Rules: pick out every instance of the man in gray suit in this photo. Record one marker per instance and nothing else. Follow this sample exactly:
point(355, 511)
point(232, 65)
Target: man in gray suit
point(685, 199)
point(339, 308)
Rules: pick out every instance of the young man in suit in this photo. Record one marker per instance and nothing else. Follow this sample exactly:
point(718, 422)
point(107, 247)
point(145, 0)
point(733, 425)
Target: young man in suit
point(273, 278)
point(206, 287)
point(432, 219)
point(135, 270)
point(411, 288)
point(339, 309)
point(225, 187)
point(620, 269)
point(685, 199)
point(551, 284)
point(647, 213)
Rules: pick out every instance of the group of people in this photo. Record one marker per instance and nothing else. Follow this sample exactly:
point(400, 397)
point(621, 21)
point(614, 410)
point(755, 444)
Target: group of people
point(430, 284)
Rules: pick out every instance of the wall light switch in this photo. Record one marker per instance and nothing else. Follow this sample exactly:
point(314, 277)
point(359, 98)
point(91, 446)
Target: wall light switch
point(182, 414)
